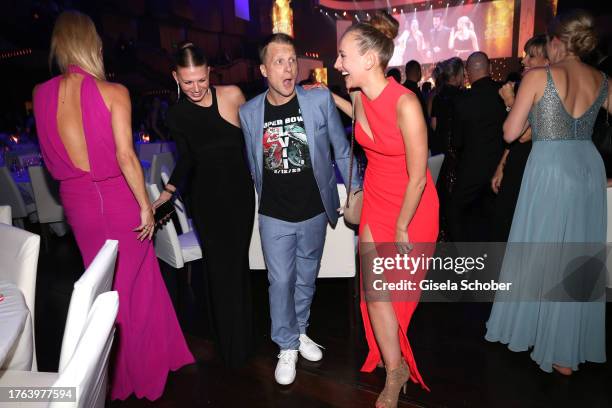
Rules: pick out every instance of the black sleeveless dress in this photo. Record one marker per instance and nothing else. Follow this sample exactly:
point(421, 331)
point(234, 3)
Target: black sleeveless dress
point(222, 202)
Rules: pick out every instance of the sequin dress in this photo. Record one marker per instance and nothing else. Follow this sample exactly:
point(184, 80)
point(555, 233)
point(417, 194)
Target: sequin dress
point(562, 201)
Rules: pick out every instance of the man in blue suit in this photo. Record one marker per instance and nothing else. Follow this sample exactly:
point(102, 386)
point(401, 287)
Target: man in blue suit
point(288, 134)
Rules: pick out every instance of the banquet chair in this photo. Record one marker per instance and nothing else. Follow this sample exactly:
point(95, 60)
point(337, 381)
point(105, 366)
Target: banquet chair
point(5, 214)
point(181, 212)
point(146, 151)
point(10, 195)
point(97, 279)
point(175, 250)
point(46, 195)
point(435, 164)
point(19, 251)
point(161, 161)
point(85, 370)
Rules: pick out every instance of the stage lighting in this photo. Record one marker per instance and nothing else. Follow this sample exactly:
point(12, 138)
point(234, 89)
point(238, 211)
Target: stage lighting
point(394, 10)
point(344, 14)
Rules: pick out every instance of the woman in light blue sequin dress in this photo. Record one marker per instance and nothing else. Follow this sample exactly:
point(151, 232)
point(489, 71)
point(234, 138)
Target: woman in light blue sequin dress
point(562, 201)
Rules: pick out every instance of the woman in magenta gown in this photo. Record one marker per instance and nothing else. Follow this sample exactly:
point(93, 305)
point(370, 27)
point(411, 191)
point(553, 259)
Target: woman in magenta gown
point(400, 204)
point(85, 136)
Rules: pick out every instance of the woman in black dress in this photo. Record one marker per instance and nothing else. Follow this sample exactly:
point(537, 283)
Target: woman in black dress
point(506, 182)
point(449, 81)
point(206, 127)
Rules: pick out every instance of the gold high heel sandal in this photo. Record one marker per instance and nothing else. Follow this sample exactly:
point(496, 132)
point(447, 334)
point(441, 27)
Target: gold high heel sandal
point(396, 381)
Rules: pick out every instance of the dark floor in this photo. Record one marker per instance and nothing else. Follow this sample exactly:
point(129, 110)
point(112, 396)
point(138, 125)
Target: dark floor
point(460, 367)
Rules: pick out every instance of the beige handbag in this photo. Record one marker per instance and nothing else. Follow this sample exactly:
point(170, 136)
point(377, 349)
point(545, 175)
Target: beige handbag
point(354, 197)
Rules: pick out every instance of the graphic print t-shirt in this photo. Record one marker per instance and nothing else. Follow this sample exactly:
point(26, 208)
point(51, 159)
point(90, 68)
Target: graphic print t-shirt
point(289, 191)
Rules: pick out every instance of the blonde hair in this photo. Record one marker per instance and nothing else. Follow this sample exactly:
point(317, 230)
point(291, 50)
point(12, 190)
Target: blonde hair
point(75, 41)
point(465, 20)
point(576, 29)
point(376, 35)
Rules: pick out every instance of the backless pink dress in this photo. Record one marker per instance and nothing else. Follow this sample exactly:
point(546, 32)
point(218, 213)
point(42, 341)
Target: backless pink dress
point(99, 205)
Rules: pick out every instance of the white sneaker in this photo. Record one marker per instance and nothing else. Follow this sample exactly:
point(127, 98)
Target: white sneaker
point(309, 349)
point(285, 368)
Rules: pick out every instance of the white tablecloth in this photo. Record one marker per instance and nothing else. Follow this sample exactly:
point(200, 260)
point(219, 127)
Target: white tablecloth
point(15, 320)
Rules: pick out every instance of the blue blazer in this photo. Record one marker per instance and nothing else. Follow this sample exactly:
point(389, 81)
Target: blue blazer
point(323, 130)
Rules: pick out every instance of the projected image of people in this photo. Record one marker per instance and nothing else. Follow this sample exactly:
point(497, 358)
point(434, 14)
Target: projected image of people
point(439, 36)
point(463, 40)
point(433, 35)
point(410, 44)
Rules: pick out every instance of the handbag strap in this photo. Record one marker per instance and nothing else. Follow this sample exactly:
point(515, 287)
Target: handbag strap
point(350, 183)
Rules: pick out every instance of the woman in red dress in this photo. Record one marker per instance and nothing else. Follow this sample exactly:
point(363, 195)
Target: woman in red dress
point(400, 204)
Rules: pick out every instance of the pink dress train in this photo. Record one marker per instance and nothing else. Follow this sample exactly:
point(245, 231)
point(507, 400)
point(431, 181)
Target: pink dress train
point(99, 205)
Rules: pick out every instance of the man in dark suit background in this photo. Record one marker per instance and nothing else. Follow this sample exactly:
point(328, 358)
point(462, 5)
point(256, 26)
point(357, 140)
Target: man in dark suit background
point(413, 77)
point(478, 135)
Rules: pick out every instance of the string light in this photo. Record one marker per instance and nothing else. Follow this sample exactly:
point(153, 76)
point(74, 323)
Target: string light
point(16, 53)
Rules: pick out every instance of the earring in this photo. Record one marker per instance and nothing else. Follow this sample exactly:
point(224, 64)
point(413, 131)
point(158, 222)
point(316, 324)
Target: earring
point(178, 91)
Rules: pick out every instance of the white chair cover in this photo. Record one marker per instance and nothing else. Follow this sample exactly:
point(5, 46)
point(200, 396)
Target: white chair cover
point(87, 370)
point(10, 195)
point(88, 366)
point(171, 248)
point(161, 162)
point(338, 260)
point(19, 251)
point(47, 205)
point(5, 214)
point(435, 164)
point(97, 279)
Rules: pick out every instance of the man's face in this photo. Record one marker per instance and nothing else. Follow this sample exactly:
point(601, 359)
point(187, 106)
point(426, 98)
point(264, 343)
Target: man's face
point(280, 68)
point(436, 22)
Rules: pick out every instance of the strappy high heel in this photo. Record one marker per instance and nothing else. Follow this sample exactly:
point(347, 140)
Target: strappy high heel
point(396, 381)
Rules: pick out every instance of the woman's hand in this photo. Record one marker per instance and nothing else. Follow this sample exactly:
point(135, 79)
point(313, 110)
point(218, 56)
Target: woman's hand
point(507, 93)
point(163, 197)
point(497, 178)
point(147, 224)
point(314, 86)
point(402, 241)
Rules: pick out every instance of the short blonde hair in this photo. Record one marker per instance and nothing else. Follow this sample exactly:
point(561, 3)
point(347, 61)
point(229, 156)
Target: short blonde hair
point(75, 41)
